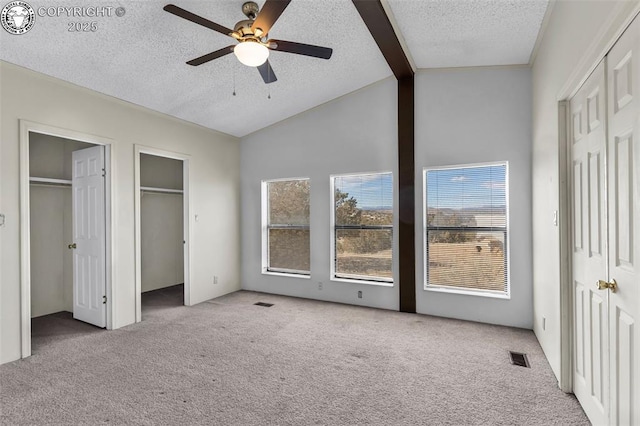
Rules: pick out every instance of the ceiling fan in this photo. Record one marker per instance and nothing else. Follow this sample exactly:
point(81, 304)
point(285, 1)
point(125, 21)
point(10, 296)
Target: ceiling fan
point(253, 47)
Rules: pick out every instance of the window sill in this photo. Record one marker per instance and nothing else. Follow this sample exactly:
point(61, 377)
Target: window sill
point(480, 293)
point(284, 274)
point(366, 282)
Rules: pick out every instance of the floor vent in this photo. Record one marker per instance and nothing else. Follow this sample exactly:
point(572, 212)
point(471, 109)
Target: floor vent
point(519, 359)
point(266, 305)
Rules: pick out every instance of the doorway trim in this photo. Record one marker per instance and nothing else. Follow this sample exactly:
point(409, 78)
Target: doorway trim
point(186, 222)
point(618, 21)
point(27, 127)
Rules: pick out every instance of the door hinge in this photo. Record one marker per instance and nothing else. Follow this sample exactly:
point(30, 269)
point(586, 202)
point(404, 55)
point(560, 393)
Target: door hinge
point(104, 172)
point(104, 300)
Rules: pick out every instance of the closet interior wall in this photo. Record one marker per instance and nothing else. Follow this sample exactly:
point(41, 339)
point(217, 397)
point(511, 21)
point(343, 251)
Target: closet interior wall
point(51, 223)
point(161, 222)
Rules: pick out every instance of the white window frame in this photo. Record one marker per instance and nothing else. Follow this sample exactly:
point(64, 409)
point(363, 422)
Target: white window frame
point(507, 246)
point(265, 232)
point(332, 236)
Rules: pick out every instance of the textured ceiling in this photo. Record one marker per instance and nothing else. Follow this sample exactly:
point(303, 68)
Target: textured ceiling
point(140, 57)
point(463, 33)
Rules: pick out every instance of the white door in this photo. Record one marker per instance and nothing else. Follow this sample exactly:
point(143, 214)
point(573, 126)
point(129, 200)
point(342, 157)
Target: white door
point(605, 126)
point(89, 237)
point(588, 138)
point(623, 69)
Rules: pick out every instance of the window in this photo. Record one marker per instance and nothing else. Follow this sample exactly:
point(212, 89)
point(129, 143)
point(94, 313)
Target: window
point(465, 217)
point(363, 227)
point(286, 226)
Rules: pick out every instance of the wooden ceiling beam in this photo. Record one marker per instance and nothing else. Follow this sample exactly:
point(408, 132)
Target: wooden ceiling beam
point(375, 18)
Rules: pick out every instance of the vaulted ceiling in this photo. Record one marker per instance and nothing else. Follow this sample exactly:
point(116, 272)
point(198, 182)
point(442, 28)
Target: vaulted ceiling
point(140, 57)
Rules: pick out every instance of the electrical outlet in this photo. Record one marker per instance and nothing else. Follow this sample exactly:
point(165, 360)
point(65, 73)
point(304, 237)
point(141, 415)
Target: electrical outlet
point(320, 285)
point(359, 294)
point(215, 279)
point(544, 323)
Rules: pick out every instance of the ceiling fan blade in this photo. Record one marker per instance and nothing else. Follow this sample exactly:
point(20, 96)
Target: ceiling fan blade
point(301, 48)
point(267, 73)
point(269, 14)
point(211, 56)
point(178, 11)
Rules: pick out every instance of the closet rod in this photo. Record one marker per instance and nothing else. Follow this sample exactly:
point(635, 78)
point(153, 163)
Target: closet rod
point(160, 190)
point(49, 181)
point(49, 185)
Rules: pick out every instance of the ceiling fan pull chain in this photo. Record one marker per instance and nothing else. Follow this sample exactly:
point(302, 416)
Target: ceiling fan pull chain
point(268, 86)
point(234, 78)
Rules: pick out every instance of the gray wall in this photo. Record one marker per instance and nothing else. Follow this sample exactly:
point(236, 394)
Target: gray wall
point(462, 116)
point(355, 133)
point(478, 115)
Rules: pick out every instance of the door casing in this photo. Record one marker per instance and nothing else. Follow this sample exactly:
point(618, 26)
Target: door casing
point(186, 232)
point(27, 127)
point(624, 14)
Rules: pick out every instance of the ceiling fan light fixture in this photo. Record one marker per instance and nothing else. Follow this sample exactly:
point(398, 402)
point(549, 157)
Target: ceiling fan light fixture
point(251, 53)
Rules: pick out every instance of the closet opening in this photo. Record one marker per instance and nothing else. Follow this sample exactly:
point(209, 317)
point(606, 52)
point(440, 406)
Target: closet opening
point(65, 258)
point(162, 237)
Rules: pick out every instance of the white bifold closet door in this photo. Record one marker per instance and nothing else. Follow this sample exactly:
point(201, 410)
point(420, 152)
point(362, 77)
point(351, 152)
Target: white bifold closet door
point(89, 236)
point(605, 153)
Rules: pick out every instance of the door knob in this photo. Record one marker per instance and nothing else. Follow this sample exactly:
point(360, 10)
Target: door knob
point(603, 285)
point(72, 246)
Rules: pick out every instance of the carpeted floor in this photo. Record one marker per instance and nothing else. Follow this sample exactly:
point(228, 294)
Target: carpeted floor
point(299, 362)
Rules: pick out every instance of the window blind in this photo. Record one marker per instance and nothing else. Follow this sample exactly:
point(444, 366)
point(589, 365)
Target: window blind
point(363, 227)
point(466, 227)
point(288, 242)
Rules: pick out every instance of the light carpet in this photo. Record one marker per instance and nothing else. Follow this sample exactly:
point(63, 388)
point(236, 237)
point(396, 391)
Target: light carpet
point(300, 362)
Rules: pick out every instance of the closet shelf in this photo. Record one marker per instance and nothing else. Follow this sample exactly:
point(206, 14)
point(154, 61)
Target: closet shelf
point(161, 190)
point(49, 181)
